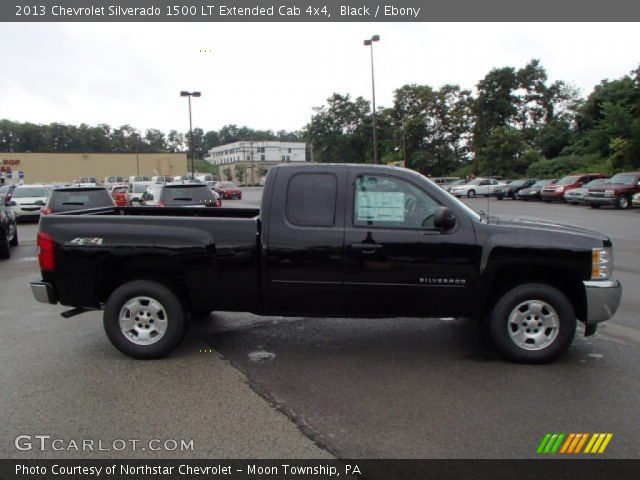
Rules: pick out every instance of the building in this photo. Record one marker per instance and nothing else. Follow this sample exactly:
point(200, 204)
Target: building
point(247, 161)
point(67, 167)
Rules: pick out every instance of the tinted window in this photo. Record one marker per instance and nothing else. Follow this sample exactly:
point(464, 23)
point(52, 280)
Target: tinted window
point(311, 199)
point(392, 203)
point(185, 194)
point(80, 198)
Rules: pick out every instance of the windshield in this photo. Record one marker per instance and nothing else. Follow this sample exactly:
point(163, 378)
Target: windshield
point(139, 187)
point(227, 185)
point(597, 181)
point(516, 183)
point(4, 189)
point(542, 183)
point(568, 180)
point(623, 179)
point(24, 192)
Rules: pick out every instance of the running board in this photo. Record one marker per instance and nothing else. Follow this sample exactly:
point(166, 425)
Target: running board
point(74, 311)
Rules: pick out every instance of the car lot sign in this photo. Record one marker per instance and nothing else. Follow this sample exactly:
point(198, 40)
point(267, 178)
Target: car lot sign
point(21, 175)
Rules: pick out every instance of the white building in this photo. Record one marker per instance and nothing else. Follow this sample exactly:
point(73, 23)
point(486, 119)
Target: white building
point(246, 162)
point(264, 151)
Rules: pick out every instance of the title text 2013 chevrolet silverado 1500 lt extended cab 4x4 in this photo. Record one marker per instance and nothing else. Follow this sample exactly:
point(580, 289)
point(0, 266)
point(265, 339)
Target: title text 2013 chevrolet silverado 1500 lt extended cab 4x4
point(329, 240)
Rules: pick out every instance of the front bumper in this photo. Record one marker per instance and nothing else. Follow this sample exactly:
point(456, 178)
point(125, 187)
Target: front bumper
point(603, 299)
point(600, 200)
point(43, 292)
point(553, 196)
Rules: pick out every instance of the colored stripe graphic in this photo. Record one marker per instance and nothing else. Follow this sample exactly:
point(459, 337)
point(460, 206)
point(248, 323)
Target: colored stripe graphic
point(573, 443)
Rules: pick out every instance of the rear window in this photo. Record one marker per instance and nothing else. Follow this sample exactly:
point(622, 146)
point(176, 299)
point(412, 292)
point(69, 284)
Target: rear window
point(188, 194)
point(80, 198)
point(311, 200)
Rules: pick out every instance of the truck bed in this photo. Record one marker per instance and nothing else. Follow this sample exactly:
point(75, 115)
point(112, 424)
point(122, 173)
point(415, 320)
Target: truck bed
point(211, 254)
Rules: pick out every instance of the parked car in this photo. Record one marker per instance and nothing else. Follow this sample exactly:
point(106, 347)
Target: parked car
point(162, 179)
point(136, 190)
point(330, 240)
point(441, 181)
point(479, 186)
point(87, 182)
point(8, 231)
point(112, 180)
point(181, 194)
point(139, 178)
point(455, 183)
point(636, 200)
point(512, 189)
point(617, 191)
point(228, 190)
point(66, 199)
point(5, 193)
point(556, 191)
point(27, 201)
point(533, 192)
point(120, 194)
point(576, 196)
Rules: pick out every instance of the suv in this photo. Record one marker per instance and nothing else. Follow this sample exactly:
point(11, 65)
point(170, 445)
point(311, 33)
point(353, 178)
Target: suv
point(66, 199)
point(557, 190)
point(180, 195)
point(617, 191)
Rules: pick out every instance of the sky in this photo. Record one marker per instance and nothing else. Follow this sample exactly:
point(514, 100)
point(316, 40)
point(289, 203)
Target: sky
point(271, 75)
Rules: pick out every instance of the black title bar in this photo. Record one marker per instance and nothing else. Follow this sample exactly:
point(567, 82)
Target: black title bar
point(316, 10)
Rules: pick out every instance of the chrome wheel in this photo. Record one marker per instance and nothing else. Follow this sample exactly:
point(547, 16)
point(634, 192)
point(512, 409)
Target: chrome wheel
point(143, 320)
point(533, 325)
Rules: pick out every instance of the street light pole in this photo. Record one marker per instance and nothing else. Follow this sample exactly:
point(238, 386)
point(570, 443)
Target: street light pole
point(369, 43)
point(190, 94)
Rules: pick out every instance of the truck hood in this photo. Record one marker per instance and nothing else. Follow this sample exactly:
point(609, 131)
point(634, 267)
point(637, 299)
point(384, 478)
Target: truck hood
point(545, 227)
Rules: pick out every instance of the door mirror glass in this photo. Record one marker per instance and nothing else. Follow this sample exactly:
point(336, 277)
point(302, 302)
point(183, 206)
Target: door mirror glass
point(444, 219)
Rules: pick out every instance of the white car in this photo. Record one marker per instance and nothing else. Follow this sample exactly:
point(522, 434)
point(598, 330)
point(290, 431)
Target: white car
point(479, 186)
point(27, 200)
point(136, 189)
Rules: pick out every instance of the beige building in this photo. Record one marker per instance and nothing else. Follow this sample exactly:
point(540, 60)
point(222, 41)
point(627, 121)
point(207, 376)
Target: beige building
point(252, 172)
point(67, 167)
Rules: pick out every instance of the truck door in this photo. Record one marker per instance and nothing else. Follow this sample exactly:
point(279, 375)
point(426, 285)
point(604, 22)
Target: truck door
point(305, 238)
point(396, 262)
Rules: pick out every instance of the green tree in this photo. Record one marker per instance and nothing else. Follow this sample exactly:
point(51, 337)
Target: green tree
point(227, 174)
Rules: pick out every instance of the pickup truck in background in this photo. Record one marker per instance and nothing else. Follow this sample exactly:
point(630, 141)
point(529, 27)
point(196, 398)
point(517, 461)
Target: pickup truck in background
point(334, 241)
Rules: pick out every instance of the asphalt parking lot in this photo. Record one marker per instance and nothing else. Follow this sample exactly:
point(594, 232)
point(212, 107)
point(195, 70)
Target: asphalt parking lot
point(265, 387)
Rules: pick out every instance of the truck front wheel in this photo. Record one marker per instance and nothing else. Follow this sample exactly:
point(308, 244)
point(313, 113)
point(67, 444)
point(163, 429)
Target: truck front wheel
point(532, 323)
point(144, 319)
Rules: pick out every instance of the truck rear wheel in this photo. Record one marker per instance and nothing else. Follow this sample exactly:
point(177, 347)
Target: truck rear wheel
point(144, 319)
point(532, 323)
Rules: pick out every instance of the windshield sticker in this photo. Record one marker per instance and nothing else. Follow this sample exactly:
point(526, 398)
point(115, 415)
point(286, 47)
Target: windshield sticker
point(380, 206)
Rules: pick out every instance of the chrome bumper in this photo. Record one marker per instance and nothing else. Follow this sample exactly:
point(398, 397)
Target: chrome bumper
point(603, 299)
point(43, 292)
point(600, 200)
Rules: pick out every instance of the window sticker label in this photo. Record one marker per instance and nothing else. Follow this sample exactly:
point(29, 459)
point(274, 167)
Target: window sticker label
point(380, 206)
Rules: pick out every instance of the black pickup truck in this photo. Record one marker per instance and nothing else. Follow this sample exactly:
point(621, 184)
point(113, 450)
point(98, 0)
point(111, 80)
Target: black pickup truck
point(329, 240)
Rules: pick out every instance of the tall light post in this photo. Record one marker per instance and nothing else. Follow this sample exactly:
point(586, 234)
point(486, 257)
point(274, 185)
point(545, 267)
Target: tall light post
point(369, 43)
point(190, 94)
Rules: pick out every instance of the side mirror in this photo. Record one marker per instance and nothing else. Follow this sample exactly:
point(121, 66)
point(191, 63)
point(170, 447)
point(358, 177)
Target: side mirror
point(443, 219)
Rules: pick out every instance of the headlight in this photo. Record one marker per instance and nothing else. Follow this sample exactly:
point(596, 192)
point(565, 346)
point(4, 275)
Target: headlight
point(559, 189)
point(610, 193)
point(601, 263)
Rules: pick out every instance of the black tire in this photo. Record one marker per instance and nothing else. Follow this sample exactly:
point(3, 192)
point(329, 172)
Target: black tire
point(594, 205)
point(499, 198)
point(175, 319)
point(623, 202)
point(506, 306)
point(14, 241)
point(471, 194)
point(547, 201)
point(5, 252)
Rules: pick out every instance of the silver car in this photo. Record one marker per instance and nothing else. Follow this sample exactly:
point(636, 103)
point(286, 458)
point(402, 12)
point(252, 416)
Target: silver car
point(576, 196)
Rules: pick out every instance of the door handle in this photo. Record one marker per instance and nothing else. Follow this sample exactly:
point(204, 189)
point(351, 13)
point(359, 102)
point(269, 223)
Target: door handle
point(366, 247)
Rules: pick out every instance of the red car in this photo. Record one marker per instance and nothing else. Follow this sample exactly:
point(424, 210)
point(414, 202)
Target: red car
point(120, 194)
point(556, 191)
point(228, 190)
point(617, 191)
